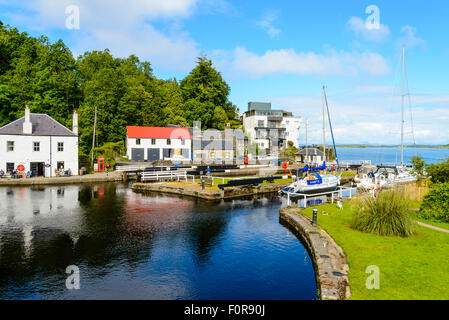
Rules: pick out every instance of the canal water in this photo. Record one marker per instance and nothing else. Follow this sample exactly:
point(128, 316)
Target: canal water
point(133, 246)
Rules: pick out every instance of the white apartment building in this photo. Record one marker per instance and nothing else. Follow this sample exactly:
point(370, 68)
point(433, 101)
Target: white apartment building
point(39, 143)
point(158, 143)
point(265, 126)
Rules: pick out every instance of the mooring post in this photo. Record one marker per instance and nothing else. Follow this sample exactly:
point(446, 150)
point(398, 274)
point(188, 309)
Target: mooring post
point(203, 185)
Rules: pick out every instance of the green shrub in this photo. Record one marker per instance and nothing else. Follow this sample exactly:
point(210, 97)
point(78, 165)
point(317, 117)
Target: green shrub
point(419, 165)
point(439, 172)
point(436, 203)
point(389, 214)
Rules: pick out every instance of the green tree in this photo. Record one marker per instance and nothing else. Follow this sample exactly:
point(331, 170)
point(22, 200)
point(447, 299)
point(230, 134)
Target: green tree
point(203, 91)
point(436, 203)
point(124, 92)
point(439, 172)
point(419, 165)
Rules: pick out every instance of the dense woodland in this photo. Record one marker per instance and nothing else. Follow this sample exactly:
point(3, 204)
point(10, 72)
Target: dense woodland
point(50, 80)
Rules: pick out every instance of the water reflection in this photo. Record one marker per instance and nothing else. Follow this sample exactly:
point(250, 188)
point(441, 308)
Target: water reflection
point(130, 245)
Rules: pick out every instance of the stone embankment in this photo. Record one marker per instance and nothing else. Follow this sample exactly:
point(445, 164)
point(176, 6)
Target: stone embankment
point(208, 194)
point(90, 178)
point(331, 268)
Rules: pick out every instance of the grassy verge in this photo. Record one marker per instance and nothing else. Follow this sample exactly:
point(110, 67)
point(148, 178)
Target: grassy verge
point(220, 181)
point(410, 268)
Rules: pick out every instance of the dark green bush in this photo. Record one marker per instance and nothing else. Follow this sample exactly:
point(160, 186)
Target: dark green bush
point(436, 203)
point(389, 214)
point(439, 172)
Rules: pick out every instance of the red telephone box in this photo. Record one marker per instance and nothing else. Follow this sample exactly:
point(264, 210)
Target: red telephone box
point(100, 164)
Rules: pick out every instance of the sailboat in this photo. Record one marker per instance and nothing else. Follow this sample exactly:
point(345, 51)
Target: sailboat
point(389, 176)
point(312, 181)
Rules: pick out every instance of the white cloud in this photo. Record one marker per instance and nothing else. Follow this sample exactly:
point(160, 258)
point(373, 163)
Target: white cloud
point(409, 37)
point(358, 26)
point(266, 23)
point(288, 61)
point(373, 119)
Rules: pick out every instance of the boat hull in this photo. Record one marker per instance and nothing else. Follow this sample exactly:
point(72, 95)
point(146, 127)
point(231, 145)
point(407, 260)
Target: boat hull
point(312, 192)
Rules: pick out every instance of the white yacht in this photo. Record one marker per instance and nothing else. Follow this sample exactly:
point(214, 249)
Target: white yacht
point(312, 183)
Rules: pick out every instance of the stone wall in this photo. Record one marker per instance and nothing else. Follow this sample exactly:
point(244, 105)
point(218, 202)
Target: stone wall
point(331, 268)
point(228, 193)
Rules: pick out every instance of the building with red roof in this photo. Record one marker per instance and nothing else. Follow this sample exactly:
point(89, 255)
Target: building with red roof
point(158, 143)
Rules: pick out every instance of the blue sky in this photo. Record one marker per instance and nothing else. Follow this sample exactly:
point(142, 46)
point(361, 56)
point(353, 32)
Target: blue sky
point(282, 52)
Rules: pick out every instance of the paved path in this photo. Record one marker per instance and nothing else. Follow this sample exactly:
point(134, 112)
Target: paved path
point(432, 227)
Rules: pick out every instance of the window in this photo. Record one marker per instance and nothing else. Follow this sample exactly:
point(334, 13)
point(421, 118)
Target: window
point(153, 141)
point(10, 167)
point(60, 165)
point(60, 146)
point(227, 155)
point(183, 142)
point(10, 146)
point(138, 142)
point(168, 141)
point(36, 146)
point(212, 155)
point(260, 123)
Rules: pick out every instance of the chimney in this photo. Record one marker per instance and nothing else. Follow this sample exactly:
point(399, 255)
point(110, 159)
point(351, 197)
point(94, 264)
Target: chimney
point(75, 122)
point(27, 126)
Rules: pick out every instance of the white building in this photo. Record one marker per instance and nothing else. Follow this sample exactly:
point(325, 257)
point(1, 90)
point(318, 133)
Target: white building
point(39, 143)
point(264, 126)
point(158, 143)
point(311, 156)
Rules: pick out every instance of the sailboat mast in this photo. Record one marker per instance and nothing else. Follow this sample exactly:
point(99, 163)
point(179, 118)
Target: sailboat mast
point(324, 125)
point(402, 104)
point(307, 145)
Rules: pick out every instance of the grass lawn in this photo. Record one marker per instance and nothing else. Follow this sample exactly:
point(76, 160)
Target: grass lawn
point(218, 181)
point(347, 174)
point(410, 268)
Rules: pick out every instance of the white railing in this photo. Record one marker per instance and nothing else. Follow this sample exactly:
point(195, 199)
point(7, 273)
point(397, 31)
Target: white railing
point(166, 175)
